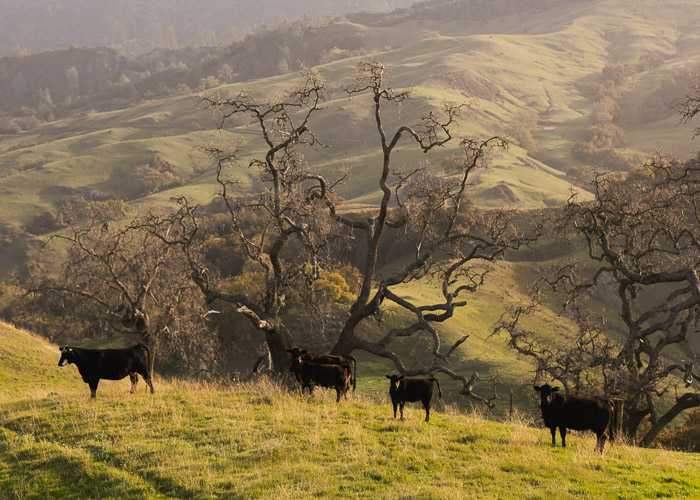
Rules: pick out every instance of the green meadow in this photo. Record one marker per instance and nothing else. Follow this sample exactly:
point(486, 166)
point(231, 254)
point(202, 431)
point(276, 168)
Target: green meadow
point(259, 441)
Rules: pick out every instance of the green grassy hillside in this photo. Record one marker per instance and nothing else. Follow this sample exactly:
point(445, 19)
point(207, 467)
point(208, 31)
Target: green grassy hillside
point(255, 441)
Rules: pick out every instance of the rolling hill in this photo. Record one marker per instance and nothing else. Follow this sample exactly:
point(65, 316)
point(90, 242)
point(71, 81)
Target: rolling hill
point(541, 66)
point(256, 441)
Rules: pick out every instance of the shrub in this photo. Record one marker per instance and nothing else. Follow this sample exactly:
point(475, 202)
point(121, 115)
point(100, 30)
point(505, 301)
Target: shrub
point(684, 438)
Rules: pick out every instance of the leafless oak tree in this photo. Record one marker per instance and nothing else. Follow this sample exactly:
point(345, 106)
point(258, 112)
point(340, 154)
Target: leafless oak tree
point(127, 280)
point(642, 235)
point(688, 106)
point(303, 227)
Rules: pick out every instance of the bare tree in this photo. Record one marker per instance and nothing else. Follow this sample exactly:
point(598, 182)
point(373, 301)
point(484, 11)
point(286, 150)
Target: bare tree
point(688, 106)
point(125, 279)
point(299, 228)
point(642, 235)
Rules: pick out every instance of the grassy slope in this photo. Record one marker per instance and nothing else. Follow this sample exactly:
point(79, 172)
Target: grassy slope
point(192, 441)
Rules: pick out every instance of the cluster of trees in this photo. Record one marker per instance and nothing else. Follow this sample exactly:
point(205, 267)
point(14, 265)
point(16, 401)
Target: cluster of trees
point(288, 258)
point(139, 26)
point(292, 237)
point(38, 88)
point(642, 233)
point(604, 136)
point(523, 123)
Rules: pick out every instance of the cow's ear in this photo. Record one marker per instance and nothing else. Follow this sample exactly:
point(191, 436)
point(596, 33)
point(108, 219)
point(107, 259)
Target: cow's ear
point(400, 377)
point(538, 388)
point(289, 351)
point(389, 377)
point(304, 351)
point(555, 389)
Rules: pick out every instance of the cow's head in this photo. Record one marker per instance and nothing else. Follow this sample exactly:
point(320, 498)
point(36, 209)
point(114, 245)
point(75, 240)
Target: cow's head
point(295, 352)
point(295, 355)
point(67, 356)
point(545, 391)
point(294, 362)
point(394, 380)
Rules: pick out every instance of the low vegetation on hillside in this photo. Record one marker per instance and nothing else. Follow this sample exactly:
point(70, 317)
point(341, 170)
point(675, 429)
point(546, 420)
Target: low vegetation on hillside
point(259, 441)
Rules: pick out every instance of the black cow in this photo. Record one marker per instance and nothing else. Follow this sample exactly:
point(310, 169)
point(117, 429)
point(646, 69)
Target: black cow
point(109, 364)
point(327, 359)
point(575, 412)
point(309, 374)
point(409, 390)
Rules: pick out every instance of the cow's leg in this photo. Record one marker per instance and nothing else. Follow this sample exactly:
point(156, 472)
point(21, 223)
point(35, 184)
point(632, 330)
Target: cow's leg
point(134, 380)
point(395, 405)
point(554, 433)
point(93, 387)
point(426, 405)
point(600, 441)
point(145, 376)
point(337, 393)
point(562, 433)
point(401, 408)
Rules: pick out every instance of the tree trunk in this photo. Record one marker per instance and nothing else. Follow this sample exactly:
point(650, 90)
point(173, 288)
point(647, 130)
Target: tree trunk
point(683, 403)
point(151, 361)
point(345, 344)
point(278, 341)
point(632, 421)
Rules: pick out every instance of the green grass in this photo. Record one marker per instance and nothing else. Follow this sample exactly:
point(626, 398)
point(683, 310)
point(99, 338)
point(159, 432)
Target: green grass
point(258, 441)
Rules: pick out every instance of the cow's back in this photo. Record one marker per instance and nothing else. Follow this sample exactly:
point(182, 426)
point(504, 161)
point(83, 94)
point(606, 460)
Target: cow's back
point(580, 413)
point(414, 389)
point(113, 364)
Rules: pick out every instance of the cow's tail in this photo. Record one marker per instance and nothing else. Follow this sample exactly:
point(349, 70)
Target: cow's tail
point(148, 360)
point(354, 375)
point(438, 384)
point(613, 422)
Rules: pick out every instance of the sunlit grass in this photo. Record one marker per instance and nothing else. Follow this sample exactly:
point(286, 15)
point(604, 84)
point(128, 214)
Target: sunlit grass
point(258, 440)
point(195, 441)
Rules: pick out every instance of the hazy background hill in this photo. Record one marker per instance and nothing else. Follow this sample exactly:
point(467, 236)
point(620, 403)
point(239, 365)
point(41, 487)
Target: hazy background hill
point(139, 26)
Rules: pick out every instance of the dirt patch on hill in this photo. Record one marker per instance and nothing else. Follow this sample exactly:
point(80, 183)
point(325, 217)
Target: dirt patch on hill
point(468, 83)
point(502, 192)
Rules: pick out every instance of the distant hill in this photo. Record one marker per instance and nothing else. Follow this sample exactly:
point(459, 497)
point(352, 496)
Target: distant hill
point(549, 78)
point(139, 26)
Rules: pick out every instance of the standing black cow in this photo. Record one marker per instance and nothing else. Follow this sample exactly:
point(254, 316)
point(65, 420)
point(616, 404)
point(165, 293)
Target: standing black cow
point(575, 412)
point(409, 390)
point(109, 364)
point(348, 362)
point(324, 375)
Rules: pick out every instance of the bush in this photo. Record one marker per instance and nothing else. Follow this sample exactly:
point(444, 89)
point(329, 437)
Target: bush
point(684, 438)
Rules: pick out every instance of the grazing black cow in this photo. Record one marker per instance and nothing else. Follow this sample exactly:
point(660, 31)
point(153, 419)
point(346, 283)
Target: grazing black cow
point(109, 364)
point(324, 375)
point(327, 359)
point(409, 390)
point(575, 412)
